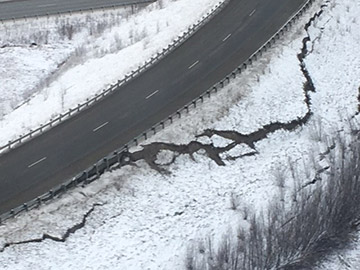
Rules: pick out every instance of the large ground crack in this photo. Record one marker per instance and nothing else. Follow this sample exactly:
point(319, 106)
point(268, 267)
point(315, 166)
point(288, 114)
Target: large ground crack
point(150, 152)
point(62, 239)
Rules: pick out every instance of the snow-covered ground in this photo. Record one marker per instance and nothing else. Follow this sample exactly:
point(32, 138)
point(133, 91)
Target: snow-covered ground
point(93, 51)
point(141, 219)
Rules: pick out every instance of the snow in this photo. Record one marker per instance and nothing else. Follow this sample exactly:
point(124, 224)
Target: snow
point(148, 220)
point(107, 57)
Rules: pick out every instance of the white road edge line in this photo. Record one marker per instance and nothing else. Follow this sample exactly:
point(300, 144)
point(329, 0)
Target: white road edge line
point(47, 5)
point(153, 93)
point(193, 65)
point(37, 162)
point(227, 37)
point(252, 12)
point(101, 126)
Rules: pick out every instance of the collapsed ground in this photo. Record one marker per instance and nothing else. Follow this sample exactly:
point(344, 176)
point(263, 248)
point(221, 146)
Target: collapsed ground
point(270, 126)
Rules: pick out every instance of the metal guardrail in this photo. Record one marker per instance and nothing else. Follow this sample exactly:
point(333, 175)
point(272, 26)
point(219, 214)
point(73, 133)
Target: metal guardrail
point(120, 156)
point(154, 59)
point(74, 11)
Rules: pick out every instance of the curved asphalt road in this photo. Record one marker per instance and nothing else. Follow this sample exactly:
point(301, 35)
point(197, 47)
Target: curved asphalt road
point(218, 48)
point(14, 9)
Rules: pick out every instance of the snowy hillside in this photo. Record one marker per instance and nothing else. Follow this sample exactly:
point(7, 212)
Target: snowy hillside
point(77, 57)
point(234, 156)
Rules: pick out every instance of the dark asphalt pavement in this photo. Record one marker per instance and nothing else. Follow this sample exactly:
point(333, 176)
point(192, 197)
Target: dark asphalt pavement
point(31, 8)
point(217, 49)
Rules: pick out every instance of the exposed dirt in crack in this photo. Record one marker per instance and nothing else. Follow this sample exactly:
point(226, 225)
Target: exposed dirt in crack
point(62, 239)
point(358, 101)
point(4, 46)
point(150, 152)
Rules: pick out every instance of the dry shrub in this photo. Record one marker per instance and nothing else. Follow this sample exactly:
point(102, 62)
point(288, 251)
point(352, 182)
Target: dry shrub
point(322, 219)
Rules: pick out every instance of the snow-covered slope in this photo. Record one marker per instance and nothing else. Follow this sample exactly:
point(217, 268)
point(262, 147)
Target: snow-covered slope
point(77, 57)
point(137, 218)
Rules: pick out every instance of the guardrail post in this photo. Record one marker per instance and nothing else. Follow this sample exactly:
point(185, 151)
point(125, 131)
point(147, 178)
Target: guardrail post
point(97, 169)
point(86, 173)
point(265, 47)
point(51, 192)
point(187, 108)
point(107, 163)
point(162, 124)
point(136, 142)
point(208, 93)
point(154, 130)
point(194, 102)
point(25, 206)
point(38, 200)
point(171, 119)
point(116, 153)
point(74, 181)
point(179, 114)
point(215, 89)
point(145, 135)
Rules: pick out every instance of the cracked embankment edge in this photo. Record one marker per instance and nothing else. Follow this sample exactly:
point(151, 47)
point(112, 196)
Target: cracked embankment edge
point(150, 151)
point(61, 239)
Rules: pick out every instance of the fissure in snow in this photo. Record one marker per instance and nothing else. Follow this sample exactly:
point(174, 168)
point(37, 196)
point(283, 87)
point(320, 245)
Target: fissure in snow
point(63, 238)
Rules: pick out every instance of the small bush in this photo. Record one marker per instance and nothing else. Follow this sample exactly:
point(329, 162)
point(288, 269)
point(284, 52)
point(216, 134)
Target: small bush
point(320, 220)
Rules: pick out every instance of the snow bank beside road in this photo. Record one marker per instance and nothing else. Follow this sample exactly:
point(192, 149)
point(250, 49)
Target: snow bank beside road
point(103, 58)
